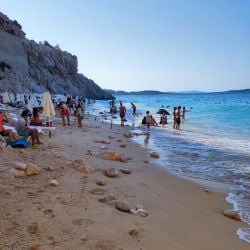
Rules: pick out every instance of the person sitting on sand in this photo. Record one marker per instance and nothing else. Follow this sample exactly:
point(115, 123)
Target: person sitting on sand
point(6, 132)
point(36, 120)
point(164, 119)
point(22, 128)
point(153, 121)
point(64, 112)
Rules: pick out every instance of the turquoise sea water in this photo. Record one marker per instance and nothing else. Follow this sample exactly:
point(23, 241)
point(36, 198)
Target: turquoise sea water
point(213, 143)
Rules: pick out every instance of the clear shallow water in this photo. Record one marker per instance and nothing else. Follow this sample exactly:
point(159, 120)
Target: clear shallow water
point(213, 144)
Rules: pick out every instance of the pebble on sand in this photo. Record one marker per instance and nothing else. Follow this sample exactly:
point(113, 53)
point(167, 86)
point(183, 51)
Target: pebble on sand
point(155, 155)
point(20, 165)
point(115, 156)
point(53, 183)
point(32, 169)
point(112, 172)
point(126, 171)
point(122, 206)
point(100, 182)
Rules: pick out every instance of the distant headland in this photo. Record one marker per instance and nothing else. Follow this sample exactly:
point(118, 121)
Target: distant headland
point(155, 92)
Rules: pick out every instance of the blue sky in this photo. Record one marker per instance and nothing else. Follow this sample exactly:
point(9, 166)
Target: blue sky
point(146, 44)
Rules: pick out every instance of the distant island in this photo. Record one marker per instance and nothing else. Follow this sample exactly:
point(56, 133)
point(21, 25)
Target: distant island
point(155, 92)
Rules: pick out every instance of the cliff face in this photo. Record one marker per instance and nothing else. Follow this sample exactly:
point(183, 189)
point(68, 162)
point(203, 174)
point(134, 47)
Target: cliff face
point(26, 66)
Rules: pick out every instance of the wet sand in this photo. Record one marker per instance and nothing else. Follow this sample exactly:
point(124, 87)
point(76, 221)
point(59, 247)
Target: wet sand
point(79, 214)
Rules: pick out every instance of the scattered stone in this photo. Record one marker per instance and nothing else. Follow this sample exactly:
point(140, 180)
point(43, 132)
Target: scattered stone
point(89, 152)
point(123, 146)
point(111, 137)
point(100, 182)
point(119, 140)
point(134, 232)
point(19, 173)
point(87, 169)
point(155, 155)
point(142, 212)
point(126, 171)
point(35, 247)
point(53, 183)
point(129, 135)
point(22, 151)
point(49, 168)
point(138, 206)
point(9, 175)
point(232, 214)
point(103, 141)
point(107, 198)
point(20, 165)
point(33, 229)
point(208, 191)
point(84, 238)
point(112, 172)
point(122, 206)
point(115, 156)
point(146, 161)
point(98, 191)
point(32, 169)
point(133, 211)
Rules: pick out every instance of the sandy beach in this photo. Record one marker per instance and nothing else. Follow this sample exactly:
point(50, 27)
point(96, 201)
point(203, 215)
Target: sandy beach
point(77, 213)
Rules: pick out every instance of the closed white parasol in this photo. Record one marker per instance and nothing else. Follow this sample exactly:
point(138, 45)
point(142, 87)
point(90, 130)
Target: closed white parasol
point(48, 107)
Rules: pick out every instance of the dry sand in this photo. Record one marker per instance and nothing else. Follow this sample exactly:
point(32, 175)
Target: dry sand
point(34, 215)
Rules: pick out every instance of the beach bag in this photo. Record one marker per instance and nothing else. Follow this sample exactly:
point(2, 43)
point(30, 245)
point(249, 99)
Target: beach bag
point(21, 143)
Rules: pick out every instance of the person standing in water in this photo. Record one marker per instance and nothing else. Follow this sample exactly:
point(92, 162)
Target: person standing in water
point(133, 108)
point(174, 117)
point(122, 113)
point(178, 118)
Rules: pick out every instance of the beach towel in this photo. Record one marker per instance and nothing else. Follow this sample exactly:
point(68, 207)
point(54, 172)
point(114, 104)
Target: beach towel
point(21, 143)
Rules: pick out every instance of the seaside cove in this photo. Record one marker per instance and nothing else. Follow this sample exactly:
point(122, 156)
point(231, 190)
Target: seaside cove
point(97, 187)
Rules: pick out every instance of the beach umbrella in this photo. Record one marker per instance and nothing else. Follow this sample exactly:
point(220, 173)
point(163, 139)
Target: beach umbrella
point(48, 107)
point(161, 111)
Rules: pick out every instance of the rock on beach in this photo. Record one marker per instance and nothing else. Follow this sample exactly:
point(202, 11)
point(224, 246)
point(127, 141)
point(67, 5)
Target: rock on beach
point(122, 206)
point(232, 214)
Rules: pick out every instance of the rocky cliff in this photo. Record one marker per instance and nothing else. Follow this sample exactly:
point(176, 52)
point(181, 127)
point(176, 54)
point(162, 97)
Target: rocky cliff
point(27, 66)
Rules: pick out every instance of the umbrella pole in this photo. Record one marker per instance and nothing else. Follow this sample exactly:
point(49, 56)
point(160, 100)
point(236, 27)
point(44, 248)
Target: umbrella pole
point(49, 129)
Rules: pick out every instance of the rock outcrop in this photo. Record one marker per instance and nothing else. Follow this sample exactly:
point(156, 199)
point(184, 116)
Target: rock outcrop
point(28, 67)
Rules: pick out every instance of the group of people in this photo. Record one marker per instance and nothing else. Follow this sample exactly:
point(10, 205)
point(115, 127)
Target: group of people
point(149, 120)
point(72, 107)
point(22, 127)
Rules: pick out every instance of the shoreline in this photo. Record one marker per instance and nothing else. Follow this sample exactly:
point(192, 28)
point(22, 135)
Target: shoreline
point(181, 214)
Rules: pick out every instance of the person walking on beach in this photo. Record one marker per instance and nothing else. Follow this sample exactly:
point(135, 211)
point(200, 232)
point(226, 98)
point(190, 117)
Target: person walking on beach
point(64, 111)
point(122, 113)
point(133, 108)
